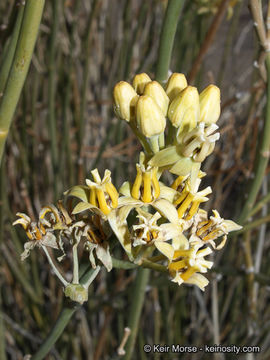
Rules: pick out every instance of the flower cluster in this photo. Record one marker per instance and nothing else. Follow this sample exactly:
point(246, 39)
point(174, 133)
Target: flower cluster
point(155, 222)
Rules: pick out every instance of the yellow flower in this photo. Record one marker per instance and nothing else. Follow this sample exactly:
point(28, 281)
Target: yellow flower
point(187, 263)
point(208, 230)
point(149, 233)
point(189, 200)
point(200, 142)
point(99, 196)
point(146, 186)
point(41, 233)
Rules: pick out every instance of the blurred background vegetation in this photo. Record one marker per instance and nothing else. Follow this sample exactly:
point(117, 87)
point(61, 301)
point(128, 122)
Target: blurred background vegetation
point(64, 126)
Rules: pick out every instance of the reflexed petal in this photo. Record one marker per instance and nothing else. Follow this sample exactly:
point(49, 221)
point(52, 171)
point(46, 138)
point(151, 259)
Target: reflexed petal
point(82, 206)
point(165, 157)
point(125, 189)
point(81, 192)
point(166, 209)
point(165, 248)
point(180, 242)
point(167, 192)
point(182, 167)
point(120, 228)
point(50, 240)
point(170, 230)
point(28, 246)
point(22, 221)
point(231, 226)
point(104, 256)
point(129, 201)
point(199, 280)
point(177, 279)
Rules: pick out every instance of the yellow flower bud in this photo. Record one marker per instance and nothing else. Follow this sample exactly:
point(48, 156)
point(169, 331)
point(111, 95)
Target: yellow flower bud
point(176, 83)
point(150, 119)
point(184, 111)
point(156, 91)
point(125, 98)
point(210, 105)
point(139, 82)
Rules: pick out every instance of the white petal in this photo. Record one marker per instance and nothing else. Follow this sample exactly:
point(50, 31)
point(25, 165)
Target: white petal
point(199, 280)
point(166, 209)
point(165, 248)
point(180, 243)
point(170, 230)
point(120, 229)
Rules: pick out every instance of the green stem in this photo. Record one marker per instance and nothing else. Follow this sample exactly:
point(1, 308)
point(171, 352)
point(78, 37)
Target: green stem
point(2, 332)
point(260, 204)
point(22, 58)
point(169, 26)
point(63, 318)
point(136, 309)
point(57, 330)
point(262, 155)
point(254, 224)
point(90, 276)
point(51, 96)
point(87, 50)
point(9, 55)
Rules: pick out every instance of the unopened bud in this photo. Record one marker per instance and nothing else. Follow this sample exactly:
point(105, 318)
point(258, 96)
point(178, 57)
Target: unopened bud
point(125, 98)
point(210, 105)
point(176, 83)
point(156, 91)
point(150, 119)
point(139, 82)
point(184, 110)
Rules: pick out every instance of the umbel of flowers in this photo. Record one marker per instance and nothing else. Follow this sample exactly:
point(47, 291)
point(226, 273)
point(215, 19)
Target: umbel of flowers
point(155, 222)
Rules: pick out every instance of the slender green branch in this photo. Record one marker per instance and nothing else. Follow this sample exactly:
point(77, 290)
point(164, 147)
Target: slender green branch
point(254, 224)
point(22, 58)
point(56, 332)
point(262, 155)
point(51, 96)
point(169, 26)
point(136, 309)
point(90, 276)
point(260, 204)
point(9, 54)
point(63, 318)
point(157, 267)
point(87, 50)
point(121, 264)
point(2, 332)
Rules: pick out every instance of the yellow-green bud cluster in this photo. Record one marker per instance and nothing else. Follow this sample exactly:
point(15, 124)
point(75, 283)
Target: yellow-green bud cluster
point(146, 105)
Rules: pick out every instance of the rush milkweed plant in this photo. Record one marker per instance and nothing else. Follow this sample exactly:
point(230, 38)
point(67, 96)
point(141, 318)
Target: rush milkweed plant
point(158, 222)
